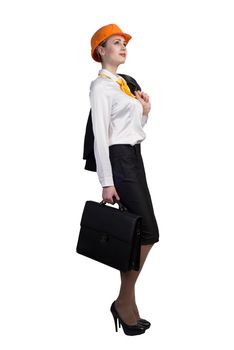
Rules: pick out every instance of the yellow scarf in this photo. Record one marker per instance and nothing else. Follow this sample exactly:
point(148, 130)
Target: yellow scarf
point(123, 85)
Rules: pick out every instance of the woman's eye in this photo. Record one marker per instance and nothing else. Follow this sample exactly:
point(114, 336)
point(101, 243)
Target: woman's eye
point(118, 42)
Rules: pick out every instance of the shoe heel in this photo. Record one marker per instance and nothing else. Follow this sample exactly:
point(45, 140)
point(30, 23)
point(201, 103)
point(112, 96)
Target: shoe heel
point(115, 321)
point(119, 323)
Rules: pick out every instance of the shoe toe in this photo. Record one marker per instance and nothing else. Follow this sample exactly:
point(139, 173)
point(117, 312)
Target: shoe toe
point(146, 324)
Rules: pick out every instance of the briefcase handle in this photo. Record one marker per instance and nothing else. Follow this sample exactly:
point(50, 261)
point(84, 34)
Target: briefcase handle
point(121, 206)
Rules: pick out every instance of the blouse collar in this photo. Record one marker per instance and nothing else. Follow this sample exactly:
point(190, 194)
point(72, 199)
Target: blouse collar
point(109, 74)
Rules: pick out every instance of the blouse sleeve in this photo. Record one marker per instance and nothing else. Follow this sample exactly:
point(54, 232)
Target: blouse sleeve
point(101, 103)
point(144, 120)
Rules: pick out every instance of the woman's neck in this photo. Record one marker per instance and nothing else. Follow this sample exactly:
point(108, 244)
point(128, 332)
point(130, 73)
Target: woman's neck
point(110, 68)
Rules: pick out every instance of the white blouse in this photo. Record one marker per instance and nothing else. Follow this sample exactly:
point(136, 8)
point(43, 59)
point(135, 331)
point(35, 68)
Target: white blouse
point(117, 118)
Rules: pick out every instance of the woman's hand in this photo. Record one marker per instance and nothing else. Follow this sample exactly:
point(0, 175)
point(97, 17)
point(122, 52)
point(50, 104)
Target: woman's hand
point(108, 193)
point(144, 99)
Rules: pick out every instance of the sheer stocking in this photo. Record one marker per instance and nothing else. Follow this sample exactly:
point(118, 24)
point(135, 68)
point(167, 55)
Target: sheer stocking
point(126, 303)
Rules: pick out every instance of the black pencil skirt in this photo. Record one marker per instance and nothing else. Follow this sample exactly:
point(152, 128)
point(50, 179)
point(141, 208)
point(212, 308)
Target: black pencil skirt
point(131, 185)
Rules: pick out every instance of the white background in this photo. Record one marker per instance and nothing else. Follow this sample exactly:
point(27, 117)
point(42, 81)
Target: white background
point(181, 53)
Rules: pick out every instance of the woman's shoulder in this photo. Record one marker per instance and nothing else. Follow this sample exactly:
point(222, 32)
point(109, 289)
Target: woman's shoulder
point(101, 83)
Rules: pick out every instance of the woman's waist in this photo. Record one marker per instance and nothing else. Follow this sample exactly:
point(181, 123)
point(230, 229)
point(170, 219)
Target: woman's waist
point(120, 149)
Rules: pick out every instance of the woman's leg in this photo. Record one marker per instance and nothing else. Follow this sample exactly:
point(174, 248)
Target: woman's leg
point(125, 303)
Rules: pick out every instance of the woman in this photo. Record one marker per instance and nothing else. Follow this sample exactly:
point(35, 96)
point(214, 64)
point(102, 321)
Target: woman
point(118, 118)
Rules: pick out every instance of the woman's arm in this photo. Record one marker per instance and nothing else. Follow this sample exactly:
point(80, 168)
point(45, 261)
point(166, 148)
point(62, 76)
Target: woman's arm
point(101, 111)
point(101, 102)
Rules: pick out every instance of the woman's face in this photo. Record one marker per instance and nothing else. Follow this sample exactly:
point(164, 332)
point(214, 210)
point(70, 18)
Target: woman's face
point(115, 51)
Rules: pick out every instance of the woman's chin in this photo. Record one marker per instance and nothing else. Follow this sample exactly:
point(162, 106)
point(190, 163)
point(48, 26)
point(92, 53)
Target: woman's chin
point(122, 60)
point(119, 60)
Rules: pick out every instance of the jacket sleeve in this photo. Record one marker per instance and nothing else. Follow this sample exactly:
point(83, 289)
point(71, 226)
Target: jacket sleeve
point(101, 103)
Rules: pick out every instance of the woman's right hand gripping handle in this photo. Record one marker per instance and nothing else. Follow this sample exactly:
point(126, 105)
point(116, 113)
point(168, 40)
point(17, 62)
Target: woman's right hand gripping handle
point(108, 193)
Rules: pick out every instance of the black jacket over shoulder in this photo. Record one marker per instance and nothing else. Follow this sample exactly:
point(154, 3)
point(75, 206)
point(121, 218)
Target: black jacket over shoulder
point(88, 152)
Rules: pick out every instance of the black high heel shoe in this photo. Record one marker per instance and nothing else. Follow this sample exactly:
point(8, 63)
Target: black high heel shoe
point(146, 324)
point(128, 330)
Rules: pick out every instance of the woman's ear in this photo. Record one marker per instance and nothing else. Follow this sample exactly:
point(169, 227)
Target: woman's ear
point(100, 50)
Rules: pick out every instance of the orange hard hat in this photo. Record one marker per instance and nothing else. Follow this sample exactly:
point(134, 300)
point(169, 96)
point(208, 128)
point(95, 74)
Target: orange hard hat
point(102, 34)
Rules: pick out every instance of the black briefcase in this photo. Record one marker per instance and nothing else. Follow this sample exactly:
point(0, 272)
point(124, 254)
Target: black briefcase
point(110, 235)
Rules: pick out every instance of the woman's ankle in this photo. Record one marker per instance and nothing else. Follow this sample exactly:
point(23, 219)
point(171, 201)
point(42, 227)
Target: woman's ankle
point(125, 310)
point(128, 303)
point(135, 310)
point(123, 301)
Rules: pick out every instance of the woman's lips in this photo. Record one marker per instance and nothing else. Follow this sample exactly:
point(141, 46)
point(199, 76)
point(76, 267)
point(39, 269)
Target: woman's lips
point(123, 54)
